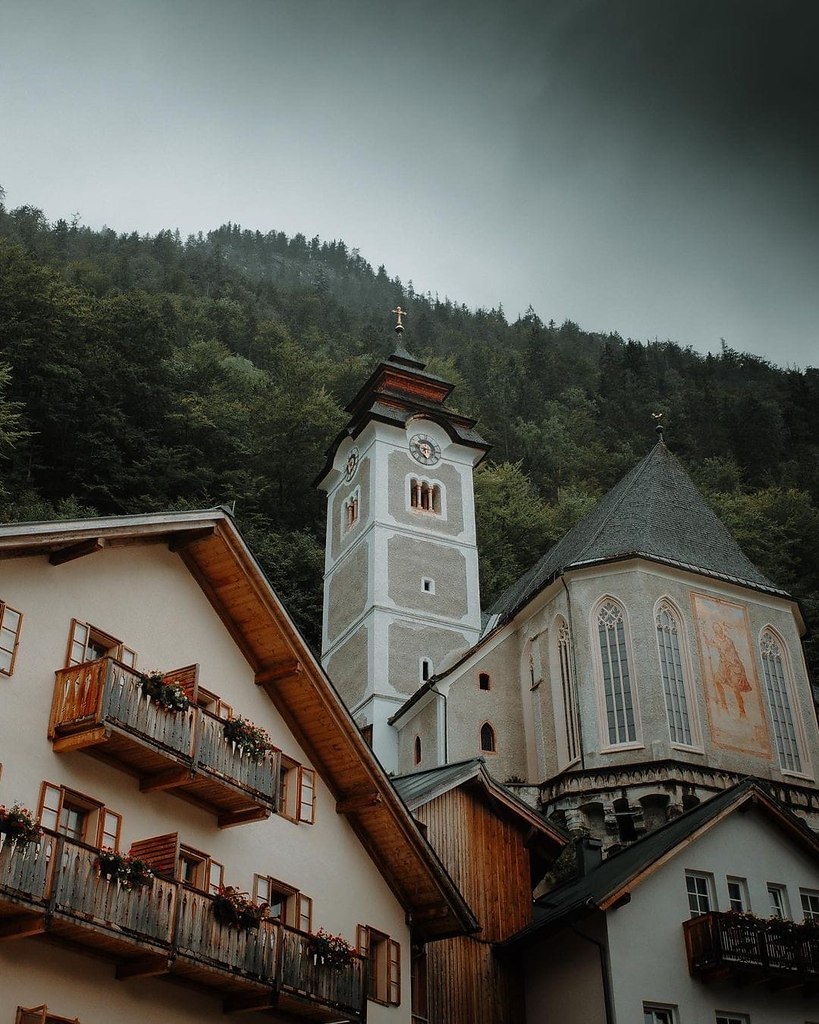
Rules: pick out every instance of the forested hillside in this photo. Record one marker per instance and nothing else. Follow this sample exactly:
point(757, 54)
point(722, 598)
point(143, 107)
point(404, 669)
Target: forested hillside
point(153, 372)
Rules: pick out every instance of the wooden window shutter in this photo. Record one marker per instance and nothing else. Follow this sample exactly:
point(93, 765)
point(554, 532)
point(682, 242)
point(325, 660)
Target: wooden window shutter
point(128, 657)
point(307, 795)
point(304, 913)
point(187, 678)
point(109, 829)
point(394, 997)
point(11, 622)
point(77, 642)
point(362, 940)
point(36, 1015)
point(160, 852)
point(51, 803)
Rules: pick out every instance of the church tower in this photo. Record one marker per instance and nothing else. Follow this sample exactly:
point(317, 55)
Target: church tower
point(401, 565)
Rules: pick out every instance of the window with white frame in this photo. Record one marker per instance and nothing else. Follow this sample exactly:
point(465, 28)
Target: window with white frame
point(671, 666)
point(427, 584)
point(700, 889)
point(776, 690)
point(655, 1013)
point(810, 905)
point(738, 895)
point(723, 1017)
point(778, 899)
point(567, 690)
point(621, 724)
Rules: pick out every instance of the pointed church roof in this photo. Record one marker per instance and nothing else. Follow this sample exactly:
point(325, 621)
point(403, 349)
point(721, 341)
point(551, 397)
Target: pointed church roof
point(654, 512)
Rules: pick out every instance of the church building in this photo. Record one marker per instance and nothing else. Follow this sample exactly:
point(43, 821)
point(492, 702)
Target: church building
point(642, 665)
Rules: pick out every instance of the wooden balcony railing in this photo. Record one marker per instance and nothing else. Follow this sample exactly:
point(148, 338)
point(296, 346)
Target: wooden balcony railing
point(721, 945)
point(100, 707)
point(54, 886)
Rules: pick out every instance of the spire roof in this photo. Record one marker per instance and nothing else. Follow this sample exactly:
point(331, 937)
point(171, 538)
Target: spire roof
point(654, 512)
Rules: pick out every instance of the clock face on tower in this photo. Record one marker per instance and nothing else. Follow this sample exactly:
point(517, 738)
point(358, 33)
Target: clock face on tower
point(352, 465)
point(424, 450)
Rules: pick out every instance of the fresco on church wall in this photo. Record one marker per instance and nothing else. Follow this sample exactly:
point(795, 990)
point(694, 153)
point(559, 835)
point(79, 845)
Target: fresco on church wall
point(736, 715)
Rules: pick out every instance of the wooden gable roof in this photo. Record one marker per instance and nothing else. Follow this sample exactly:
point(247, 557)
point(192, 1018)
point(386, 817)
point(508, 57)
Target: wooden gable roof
point(212, 549)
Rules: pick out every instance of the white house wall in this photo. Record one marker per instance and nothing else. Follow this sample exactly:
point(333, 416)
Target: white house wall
point(144, 596)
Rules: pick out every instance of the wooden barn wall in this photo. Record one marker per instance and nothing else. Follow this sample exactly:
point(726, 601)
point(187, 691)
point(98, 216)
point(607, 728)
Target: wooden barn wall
point(489, 862)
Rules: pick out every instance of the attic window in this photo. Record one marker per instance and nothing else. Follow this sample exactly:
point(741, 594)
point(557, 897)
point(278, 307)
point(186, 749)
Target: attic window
point(484, 681)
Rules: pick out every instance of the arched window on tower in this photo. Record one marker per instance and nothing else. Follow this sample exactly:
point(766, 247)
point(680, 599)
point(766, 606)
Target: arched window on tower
point(417, 750)
point(425, 496)
point(487, 738)
point(351, 510)
point(621, 723)
point(777, 692)
point(671, 667)
point(567, 690)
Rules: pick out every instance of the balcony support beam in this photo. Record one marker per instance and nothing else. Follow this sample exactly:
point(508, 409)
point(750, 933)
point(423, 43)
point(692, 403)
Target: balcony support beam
point(250, 1002)
point(22, 927)
point(243, 817)
point(170, 779)
point(149, 968)
point(78, 740)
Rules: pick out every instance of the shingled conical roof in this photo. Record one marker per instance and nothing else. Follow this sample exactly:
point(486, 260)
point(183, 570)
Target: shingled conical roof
point(654, 512)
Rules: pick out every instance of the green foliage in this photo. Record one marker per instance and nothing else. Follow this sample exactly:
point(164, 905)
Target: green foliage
point(154, 372)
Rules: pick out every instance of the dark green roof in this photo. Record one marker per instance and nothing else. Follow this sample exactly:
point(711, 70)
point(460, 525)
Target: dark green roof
point(583, 895)
point(654, 512)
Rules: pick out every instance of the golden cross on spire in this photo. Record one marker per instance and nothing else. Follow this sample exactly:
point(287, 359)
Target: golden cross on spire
point(399, 327)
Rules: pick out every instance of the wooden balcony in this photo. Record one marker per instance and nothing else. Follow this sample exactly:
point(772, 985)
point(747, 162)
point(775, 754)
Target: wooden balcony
point(745, 948)
point(99, 707)
point(53, 888)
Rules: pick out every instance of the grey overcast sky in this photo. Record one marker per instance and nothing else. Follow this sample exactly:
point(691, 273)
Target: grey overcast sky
point(644, 166)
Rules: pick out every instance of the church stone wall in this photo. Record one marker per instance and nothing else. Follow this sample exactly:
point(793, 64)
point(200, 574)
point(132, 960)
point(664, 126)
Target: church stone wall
point(341, 539)
point(468, 707)
point(400, 467)
point(410, 560)
point(348, 667)
point(639, 590)
point(408, 644)
point(347, 591)
point(425, 726)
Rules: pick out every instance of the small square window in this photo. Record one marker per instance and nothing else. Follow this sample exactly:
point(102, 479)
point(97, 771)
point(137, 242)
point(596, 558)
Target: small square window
point(655, 1013)
point(810, 904)
point(738, 895)
point(426, 669)
point(484, 682)
point(428, 585)
point(778, 896)
point(700, 888)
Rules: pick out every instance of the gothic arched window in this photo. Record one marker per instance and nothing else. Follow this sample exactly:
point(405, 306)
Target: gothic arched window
point(567, 689)
point(776, 689)
point(671, 667)
point(417, 750)
point(621, 724)
point(487, 738)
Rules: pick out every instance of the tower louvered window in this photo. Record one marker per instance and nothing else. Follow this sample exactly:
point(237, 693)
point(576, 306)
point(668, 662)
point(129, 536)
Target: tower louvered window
point(567, 690)
point(676, 702)
point(620, 718)
point(776, 689)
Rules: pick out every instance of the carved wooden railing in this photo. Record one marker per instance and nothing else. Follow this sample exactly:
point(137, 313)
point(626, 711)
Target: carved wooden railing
point(216, 754)
point(81, 891)
point(247, 951)
point(302, 971)
point(742, 942)
point(24, 870)
point(106, 692)
point(60, 878)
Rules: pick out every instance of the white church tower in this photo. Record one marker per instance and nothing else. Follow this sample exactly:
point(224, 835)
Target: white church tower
point(401, 565)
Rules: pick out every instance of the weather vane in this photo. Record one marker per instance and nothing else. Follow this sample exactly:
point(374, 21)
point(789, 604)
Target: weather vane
point(399, 327)
point(657, 416)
